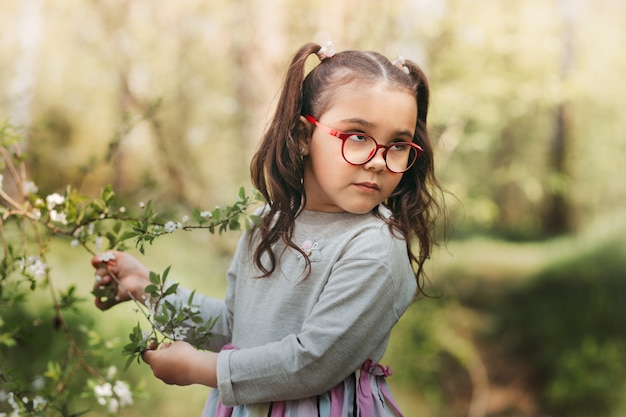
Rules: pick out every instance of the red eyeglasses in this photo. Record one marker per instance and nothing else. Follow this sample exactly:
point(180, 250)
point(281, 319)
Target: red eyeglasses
point(359, 149)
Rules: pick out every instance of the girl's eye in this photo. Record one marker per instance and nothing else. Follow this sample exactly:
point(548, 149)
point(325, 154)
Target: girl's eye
point(357, 137)
point(399, 147)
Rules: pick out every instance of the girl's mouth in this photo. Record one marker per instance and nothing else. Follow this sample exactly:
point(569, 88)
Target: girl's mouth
point(368, 186)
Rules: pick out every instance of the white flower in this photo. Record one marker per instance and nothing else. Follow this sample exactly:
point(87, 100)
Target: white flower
point(107, 256)
point(122, 391)
point(146, 335)
point(170, 226)
point(142, 204)
point(38, 383)
point(111, 372)
point(35, 265)
point(185, 219)
point(13, 404)
point(122, 209)
point(103, 392)
point(54, 200)
point(98, 244)
point(11, 399)
point(114, 405)
point(29, 187)
point(37, 214)
point(205, 214)
point(58, 217)
point(74, 243)
point(179, 333)
point(39, 401)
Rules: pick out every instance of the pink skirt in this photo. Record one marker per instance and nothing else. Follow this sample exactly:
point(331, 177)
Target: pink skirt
point(363, 394)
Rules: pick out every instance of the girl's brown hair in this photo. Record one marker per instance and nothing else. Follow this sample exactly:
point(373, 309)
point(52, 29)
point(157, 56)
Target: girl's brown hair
point(277, 168)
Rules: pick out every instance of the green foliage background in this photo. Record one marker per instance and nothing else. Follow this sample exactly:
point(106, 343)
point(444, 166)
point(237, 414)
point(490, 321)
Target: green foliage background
point(167, 100)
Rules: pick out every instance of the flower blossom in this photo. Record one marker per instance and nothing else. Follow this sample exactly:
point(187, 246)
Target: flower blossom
point(179, 333)
point(107, 256)
point(34, 265)
point(29, 187)
point(113, 396)
point(54, 200)
point(170, 226)
point(58, 217)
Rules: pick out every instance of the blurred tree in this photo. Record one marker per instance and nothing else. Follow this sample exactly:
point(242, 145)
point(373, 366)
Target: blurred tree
point(557, 219)
point(30, 25)
point(180, 93)
point(173, 153)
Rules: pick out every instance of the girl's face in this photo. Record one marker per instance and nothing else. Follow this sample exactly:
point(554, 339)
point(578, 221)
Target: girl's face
point(331, 183)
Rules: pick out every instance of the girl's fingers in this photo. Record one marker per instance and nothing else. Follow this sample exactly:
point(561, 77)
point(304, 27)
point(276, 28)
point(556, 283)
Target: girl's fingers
point(104, 289)
point(105, 296)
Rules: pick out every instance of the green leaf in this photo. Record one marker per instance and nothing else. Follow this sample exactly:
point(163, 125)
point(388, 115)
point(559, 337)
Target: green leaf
point(152, 289)
point(165, 274)
point(191, 296)
point(128, 235)
point(154, 278)
point(108, 194)
point(171, 289)
point(161, 319)
point(130, 360)
point(171, 307)
point(196, 215)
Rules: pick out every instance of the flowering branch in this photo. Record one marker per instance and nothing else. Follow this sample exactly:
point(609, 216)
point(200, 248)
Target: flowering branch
point(29, 222)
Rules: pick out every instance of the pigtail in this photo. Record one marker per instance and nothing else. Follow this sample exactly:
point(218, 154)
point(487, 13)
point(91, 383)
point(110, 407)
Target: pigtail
point(413, 203)
point(277, 167)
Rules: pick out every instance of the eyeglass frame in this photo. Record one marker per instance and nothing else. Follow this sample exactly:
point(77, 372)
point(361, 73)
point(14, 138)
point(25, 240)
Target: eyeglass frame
point(344, 136)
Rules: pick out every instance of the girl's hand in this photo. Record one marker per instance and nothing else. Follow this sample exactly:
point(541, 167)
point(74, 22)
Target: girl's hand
point(118, 277)
point(179, 363)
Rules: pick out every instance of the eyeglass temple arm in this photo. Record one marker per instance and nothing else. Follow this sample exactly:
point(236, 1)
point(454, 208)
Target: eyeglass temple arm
point(327, 129)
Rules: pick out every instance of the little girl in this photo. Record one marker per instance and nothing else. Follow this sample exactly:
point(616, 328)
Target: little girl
point(346, 168)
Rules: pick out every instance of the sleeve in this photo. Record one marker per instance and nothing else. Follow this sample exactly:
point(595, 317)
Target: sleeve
point(362, 300)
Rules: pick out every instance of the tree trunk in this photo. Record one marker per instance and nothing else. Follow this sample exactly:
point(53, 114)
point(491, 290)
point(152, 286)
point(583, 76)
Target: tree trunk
point(557, 217)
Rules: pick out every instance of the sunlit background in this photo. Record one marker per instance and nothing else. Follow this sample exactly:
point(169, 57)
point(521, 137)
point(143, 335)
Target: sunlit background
point(167, 100)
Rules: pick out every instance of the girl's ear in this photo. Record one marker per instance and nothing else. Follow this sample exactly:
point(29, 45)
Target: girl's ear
point(304, 131)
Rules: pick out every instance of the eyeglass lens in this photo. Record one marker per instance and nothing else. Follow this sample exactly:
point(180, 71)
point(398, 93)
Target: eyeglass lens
point(359, 149)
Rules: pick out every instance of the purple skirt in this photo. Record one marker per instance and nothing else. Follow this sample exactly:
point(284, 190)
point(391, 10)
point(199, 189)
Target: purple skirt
point(364, 394)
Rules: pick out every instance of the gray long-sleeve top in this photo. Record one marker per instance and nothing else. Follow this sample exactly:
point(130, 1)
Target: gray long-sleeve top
point(300, 336)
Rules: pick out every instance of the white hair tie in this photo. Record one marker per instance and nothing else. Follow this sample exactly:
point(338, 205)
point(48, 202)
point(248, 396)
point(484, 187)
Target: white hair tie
point(401, 63)
point(327, 51)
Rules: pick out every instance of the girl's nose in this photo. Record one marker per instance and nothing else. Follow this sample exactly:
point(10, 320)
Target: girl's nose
point(377, 163)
